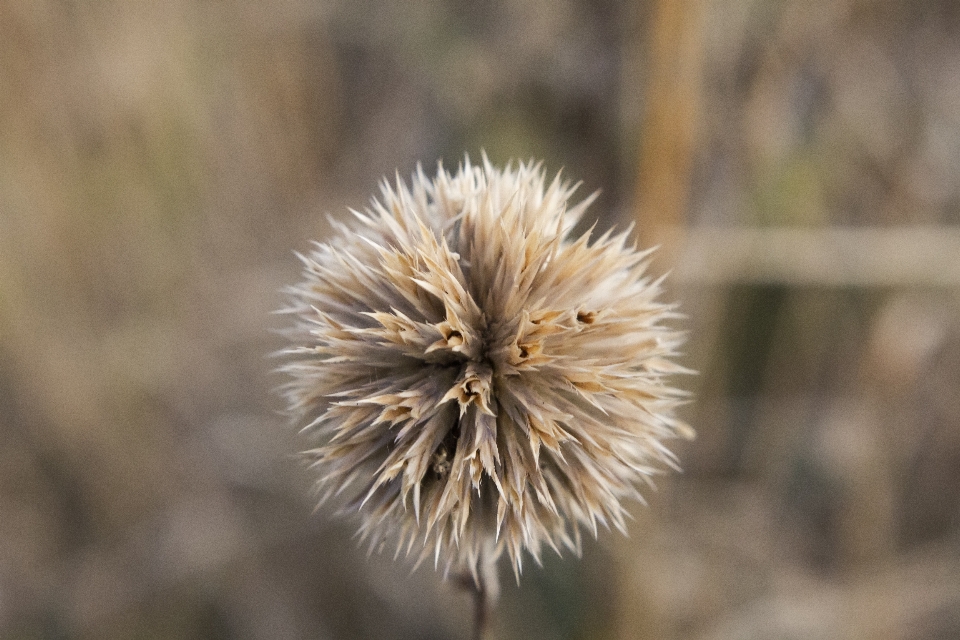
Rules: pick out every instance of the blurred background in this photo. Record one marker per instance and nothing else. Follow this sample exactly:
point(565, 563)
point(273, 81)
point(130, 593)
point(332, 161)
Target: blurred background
point(797, 160)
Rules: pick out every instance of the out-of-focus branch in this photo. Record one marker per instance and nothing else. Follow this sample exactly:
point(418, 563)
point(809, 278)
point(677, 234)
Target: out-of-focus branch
point(831, 256)
point(673, 97)
point(672, 86)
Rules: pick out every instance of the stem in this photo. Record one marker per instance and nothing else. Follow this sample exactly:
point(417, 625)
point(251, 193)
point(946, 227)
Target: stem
point(481, 609)
point(485, 589)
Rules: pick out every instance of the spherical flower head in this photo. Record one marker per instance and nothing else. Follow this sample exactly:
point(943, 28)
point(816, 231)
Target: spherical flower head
point(477, 381)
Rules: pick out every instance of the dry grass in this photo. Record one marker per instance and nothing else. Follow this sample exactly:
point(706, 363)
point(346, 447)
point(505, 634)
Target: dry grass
point(158, 161)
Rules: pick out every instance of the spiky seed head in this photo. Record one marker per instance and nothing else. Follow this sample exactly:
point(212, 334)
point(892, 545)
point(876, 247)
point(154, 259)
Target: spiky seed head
point(477, 381)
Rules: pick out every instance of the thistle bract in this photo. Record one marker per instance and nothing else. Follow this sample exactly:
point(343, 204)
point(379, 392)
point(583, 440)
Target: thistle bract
point(477, 381)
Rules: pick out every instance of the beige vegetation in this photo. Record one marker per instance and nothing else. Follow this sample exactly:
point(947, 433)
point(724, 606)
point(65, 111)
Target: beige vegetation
point(159, 161)
point(481, 383)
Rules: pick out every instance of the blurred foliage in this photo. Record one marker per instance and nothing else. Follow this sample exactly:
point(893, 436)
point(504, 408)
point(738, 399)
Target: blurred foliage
point(159, 160)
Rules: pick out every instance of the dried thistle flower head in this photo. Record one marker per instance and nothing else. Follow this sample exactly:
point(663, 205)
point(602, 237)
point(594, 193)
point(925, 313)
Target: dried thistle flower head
point(477, 381)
